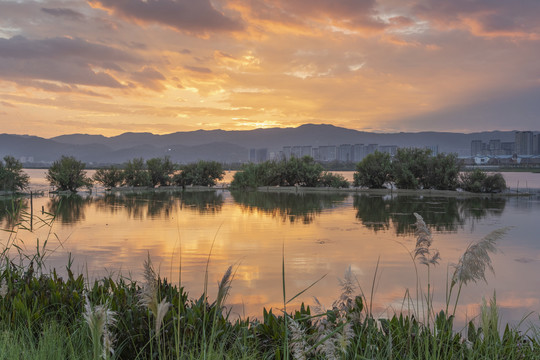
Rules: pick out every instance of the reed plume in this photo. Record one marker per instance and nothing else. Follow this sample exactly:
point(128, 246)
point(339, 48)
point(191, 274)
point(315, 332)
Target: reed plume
point(224, 287)
point(148, 296)
point(476, 258)
point(99, 319)
point(423, 251)
point(3, 288)
point(298, 344)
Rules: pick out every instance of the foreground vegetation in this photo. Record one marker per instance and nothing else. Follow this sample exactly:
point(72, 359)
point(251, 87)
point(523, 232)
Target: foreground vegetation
point(43, 315)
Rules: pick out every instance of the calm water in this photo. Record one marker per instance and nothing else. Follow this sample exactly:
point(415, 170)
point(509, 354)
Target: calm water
point(320, 234)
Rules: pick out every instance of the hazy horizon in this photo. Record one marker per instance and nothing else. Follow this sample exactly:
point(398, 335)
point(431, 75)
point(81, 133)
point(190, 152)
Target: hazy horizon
point(162, 66)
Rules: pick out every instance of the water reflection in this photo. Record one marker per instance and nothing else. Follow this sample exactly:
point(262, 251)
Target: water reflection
point(380, 213)
point(292, 207)
point(203, 201)
point(10, 210)
point(69, 209)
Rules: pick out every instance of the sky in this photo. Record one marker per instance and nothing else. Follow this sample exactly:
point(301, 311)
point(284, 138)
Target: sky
point(161, 66)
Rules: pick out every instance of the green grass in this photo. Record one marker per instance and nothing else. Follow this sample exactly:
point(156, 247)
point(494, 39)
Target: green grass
point(45, 316)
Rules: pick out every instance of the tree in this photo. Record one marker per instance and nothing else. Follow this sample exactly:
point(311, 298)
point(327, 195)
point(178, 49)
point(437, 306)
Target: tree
point(135, 173)
point(478, 181)
point(202, 173)
point(12, 176)
point(443, 172)
point(333, 180)
point(373, 171)
point(410, 167)
point(161, 171)
point(68, 174)
point(110, 177)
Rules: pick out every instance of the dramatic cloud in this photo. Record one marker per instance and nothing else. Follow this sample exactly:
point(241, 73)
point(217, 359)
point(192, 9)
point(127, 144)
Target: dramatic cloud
point(71, 61)
point(183, 15)
point(64, 13)
point(386, 65)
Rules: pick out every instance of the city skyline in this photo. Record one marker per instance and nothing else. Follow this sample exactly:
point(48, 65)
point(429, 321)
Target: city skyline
point(161, 66)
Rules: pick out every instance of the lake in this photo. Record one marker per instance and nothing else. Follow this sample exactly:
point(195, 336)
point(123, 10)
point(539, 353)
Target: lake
point(314, 234)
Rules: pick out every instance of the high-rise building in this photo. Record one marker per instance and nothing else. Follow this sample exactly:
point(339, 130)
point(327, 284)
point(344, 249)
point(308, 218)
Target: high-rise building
point(477, 147)
point(358, 152)
point(306, 151)
point(345, 153)
point(286, 152)
point(371, 148)
point(327, 153)
point(508, 148)
point(258, 155)
point(524, 142)
point(536, 144)
point(389, 149)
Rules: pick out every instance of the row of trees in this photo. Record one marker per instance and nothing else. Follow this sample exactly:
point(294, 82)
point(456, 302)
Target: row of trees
point(293, 172)
point(68, 173)
point(414, 168)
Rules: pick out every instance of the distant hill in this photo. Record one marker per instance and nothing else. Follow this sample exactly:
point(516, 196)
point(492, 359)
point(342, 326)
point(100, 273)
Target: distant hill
point(221, 145)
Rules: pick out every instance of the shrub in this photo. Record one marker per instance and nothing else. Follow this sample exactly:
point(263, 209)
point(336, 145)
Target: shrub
point(68, 174)
point(373, 171)
point(110, 177)
point(160, 171)
point(333, 180)
point(478, 181)
point(202, 173)
point(135, 173)
point(443, 172)
point(12, 177)
point(410, 167)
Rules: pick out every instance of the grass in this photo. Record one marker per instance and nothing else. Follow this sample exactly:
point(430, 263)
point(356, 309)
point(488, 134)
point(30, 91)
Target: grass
point(44, 316)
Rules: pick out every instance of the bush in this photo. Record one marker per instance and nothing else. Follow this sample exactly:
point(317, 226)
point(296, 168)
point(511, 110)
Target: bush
point(135, 173)
point(443, 172)
point(110, 177)
point(160, 170)
point(478, 181)
point(373, 171)
point(12, 177)
point(202, 173)
point(68, 174)
point(410, 167)
point(333, 180)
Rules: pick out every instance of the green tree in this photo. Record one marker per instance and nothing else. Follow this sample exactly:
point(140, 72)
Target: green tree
point(333, 180)
point(373, 171)
point(301, 171)
point(410, 167)
point(202, 173)
point(161, 171)
point(479, 181)
point(135, 173)
point(110, 177)
point(68, 174)
point(12, 176)
point(443, 172)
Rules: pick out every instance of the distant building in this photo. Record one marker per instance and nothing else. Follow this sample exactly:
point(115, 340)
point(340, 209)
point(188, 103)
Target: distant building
point(258, 156)
point(358, 152)
point(434, 149)
point(524, 142)
point(315, 154)
point(388, 149)
point(327, 153)
point(536, 144)
point(477, 147)
point(371, 148)
point(345, 153)
point(306, 151)
point(296, 151)
point(508, 148)
point(286, 152)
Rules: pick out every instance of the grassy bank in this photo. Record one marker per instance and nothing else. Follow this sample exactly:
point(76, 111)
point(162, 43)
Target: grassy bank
point(45, 316)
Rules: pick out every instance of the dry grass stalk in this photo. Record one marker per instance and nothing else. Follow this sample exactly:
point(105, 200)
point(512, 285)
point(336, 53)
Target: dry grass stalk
point(423, 251)
point(148, 296)
point(474, 261)
point(99, 319)
point(298, 342)
point(224, 287)
point(3, 288)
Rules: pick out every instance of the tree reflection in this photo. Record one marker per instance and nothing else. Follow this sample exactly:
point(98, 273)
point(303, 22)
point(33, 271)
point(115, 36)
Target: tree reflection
point(439, 213)
point(292, 207)
point(156, 204)
point(69, 208)
point(11, 210)
point(202, 201)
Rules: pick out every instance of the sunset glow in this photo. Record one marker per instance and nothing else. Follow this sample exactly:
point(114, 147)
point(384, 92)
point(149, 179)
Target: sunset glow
point(160, 66)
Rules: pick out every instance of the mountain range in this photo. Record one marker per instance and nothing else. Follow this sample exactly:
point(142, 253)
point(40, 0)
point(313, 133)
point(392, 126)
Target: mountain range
point(222, 145)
